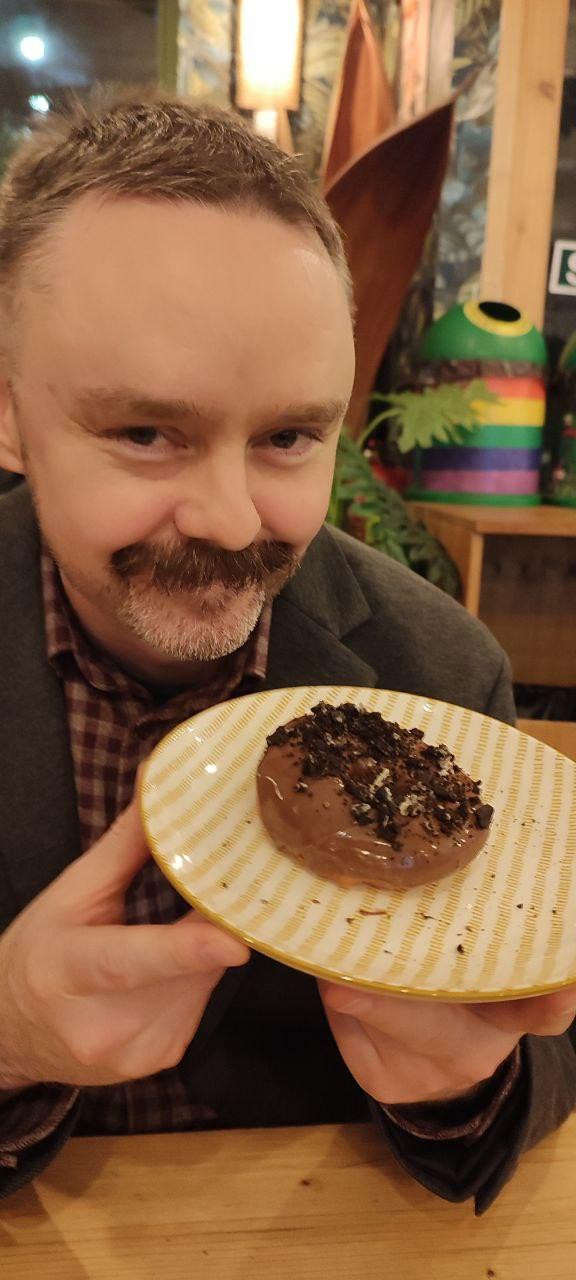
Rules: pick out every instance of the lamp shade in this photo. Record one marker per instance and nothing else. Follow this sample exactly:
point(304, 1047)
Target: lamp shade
point(268, 54)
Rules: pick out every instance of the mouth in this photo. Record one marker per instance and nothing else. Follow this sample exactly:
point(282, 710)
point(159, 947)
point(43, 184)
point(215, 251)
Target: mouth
point(200, 591)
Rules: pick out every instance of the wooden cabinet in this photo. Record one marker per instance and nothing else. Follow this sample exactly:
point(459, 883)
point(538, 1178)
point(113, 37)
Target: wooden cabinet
point(518, 570)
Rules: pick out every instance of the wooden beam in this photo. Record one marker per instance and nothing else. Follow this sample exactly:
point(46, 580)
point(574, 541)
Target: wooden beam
point(524, 153)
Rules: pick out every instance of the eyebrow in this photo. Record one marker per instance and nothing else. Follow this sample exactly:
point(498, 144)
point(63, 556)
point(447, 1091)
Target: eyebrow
point(96, 402)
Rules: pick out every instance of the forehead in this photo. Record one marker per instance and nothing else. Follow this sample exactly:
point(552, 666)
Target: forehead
point(175, 298)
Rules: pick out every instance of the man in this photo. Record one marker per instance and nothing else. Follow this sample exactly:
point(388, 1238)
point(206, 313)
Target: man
point(178, 357)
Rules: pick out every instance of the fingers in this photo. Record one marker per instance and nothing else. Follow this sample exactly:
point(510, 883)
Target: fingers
point(130, 957)
point(436, 1028)
point(547, 1015)
point(422, 1026)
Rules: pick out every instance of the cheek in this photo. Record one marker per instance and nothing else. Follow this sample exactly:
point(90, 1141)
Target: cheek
point(292, 507)
point(90, 508)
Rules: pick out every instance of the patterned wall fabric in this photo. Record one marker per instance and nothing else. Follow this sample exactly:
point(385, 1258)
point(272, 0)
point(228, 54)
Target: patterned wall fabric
point(206, 56)
point(206, 72)
point(205, 50)
point(462, 218)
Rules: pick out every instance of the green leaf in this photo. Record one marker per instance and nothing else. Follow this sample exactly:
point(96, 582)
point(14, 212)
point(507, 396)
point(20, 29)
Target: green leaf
point(437, 415)
point(387, 525)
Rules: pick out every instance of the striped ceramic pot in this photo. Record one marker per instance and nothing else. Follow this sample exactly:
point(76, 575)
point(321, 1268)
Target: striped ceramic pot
point(498, 462)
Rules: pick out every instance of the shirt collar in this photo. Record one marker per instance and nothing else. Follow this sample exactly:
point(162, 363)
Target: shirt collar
point(66, 643)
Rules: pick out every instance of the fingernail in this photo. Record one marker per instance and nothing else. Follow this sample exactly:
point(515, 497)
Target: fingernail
point(222, 956)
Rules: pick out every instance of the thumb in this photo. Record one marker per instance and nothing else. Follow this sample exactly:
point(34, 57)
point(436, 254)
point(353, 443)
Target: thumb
point(546, 1015)
point(106, 870)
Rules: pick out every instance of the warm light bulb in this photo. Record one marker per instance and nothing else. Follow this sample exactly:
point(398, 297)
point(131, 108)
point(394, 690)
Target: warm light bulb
point(269, 45)
point(32, 48)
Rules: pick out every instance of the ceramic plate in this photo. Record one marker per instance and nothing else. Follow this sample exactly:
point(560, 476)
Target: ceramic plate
point(503, 927)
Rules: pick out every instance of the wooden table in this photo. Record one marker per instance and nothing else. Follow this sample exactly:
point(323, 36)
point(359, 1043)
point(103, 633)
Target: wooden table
point(281, 1204)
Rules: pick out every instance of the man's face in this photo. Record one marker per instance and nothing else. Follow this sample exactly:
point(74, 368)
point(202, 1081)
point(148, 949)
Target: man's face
point(180, 384)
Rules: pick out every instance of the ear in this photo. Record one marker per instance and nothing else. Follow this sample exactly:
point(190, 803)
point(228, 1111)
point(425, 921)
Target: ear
point(10, 444)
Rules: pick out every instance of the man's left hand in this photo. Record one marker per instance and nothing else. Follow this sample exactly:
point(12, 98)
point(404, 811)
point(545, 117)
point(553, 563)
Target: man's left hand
point(405, 1051)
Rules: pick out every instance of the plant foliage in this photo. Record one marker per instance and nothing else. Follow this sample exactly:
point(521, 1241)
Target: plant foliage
point(358, 493)
point(437, 415)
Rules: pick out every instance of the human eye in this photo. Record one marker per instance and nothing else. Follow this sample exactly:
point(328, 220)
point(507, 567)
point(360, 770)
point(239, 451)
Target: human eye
point(294, 441)
point(144, 440)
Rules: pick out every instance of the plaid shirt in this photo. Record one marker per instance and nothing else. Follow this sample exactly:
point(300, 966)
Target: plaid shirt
point(114, 723)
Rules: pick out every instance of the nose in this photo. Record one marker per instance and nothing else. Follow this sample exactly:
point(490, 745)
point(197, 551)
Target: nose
point(217, 505)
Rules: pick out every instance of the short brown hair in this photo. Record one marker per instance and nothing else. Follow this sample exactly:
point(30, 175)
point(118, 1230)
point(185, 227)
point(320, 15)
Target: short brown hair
point(150, 143)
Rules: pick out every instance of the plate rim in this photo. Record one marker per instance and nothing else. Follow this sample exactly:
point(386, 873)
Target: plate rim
point(314, 970)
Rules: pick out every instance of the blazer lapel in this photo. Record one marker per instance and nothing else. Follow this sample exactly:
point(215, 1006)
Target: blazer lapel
point(320, 606)
point(39, 834)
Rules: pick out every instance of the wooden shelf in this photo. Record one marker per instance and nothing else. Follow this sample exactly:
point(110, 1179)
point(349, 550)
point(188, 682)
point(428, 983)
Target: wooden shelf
point(518, 572)
point(526, 522)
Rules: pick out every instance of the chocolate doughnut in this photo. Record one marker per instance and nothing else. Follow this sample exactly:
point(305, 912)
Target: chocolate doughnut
point(360, 800)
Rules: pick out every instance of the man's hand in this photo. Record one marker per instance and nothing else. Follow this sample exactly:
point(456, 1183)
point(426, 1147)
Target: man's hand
point(88, 1000)
point(408, 1051)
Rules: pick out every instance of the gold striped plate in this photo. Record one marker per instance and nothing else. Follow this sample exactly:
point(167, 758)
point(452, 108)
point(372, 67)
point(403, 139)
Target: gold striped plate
point(502, 928)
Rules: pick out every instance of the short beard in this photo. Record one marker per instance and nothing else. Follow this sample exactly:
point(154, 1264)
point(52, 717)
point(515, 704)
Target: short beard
point(211, 635)
point(227, 591)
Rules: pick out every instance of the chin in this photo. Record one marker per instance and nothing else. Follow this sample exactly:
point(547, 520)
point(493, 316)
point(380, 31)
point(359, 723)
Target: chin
point(203, 627)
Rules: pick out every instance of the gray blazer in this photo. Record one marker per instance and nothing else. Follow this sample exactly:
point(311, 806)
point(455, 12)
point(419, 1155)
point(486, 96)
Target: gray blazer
point(263, 1054)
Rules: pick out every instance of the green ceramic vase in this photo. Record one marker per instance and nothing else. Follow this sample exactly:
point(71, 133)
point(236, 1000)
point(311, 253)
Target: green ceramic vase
point(499, 461)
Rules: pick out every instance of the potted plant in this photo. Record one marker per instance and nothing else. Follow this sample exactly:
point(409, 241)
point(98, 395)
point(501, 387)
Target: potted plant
point(363, 504)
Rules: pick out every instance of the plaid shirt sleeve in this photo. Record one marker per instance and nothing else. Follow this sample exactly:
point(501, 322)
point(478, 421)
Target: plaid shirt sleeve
point(468, 1117)
point(28, 1116)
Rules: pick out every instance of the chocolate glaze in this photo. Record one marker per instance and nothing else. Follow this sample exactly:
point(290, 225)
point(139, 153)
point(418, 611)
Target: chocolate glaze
point(358, 799)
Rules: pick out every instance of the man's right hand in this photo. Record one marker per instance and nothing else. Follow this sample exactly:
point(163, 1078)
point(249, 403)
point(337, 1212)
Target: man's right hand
point(88, 1000)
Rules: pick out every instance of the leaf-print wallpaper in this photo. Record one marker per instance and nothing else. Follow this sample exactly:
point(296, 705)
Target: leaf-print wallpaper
point(205, 49)
point(205, 60)
point(462, 217)
point(453, 258)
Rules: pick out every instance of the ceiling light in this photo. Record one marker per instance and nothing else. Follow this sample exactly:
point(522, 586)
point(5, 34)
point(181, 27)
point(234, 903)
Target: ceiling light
point(269, 47)
point(32, 48)
point(39, 102)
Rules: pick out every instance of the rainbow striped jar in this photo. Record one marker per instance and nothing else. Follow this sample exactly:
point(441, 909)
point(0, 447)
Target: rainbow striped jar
point(499, 462)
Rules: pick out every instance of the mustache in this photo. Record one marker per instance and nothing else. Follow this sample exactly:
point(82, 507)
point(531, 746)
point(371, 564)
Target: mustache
point(197, 564)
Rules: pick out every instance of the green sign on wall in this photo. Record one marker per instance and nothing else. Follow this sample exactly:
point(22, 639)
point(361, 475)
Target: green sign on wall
point(563, 267)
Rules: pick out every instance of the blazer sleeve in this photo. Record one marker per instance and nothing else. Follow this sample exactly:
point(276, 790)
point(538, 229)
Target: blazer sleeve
point(34, 1123)
point(500, 700)
point(32, 1160)
point(479, 1166)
